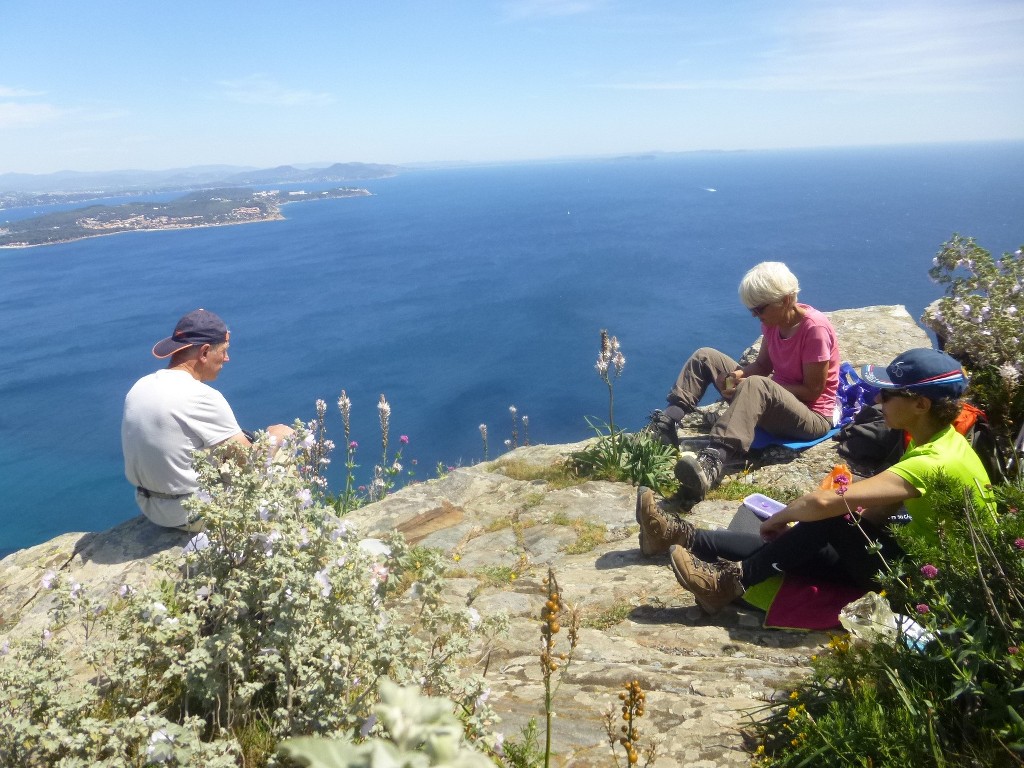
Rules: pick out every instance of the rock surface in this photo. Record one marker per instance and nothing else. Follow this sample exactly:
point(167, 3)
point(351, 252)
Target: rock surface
point(703, 675)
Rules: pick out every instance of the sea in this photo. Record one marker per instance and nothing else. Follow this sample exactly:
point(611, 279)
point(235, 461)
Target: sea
point(460, 293)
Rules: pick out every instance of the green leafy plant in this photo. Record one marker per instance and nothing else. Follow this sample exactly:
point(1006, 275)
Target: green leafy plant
point(637, 458)
point(410, 730)
point(981, 324)
point(276, 621)
point(949, 694)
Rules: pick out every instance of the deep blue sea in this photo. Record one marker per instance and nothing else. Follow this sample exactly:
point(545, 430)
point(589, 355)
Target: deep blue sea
point(460, 292)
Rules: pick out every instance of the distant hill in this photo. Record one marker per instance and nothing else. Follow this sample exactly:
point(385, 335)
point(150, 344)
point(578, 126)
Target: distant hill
point(196, 177)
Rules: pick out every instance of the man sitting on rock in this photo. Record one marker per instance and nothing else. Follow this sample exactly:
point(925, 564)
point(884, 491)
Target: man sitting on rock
point(173, 412)
point(920, 393)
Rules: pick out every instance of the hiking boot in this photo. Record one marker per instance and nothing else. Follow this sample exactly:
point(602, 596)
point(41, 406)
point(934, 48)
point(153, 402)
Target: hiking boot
point(659, 530)
point(699, 474)
point(714, 587)
point(663, 428)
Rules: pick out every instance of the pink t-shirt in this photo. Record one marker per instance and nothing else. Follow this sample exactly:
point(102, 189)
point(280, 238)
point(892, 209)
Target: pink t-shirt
point(813, 342)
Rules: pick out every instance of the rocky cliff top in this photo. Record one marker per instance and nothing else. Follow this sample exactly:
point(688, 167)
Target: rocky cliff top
point(702, 674)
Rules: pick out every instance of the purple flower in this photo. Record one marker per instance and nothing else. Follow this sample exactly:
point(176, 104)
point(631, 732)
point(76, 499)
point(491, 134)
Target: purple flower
point(929, 571)
point(923, 608)
point(1013, 650)
point(404, 439)
point(48, 580)
point(305, 497)
point(1018, 543)
point(353, 445)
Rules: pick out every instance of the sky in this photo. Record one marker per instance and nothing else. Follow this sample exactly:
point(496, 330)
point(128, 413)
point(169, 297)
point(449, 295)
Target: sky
point(108, 85)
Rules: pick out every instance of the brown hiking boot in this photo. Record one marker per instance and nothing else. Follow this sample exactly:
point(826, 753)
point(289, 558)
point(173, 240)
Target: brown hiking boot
point(658, 529)
point(713, 587)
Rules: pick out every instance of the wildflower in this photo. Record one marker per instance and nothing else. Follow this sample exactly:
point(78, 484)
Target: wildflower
point(483, 697)
point(1018, 543)
point(794, 695)
point(508, 443)
point(929, 571)
point(345, 406)
point(157, 751)
point(1011, 511)
point(47, 635)
point(483, 431)
point(383, 407)
point(378, 574)
point(842, 482)
point(48, 580)
point(308, 441)
point(396, 467)
point(353, 445)
point(404, 439)
point(474, 618)
point(367, 726)
point(305, 497)
point(325, 583)
point(1013, 650)
point(512, 410)
point(76, 591)
point(526, 421)
point(5, 648)
point(922, 608)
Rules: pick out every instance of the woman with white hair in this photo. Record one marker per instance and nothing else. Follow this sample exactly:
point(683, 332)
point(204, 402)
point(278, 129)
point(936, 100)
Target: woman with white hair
point(789, 390)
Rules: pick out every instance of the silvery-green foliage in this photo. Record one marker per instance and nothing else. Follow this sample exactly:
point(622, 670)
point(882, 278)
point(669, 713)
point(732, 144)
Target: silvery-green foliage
point(275, 618)
point(416, 731)
point(980, 316)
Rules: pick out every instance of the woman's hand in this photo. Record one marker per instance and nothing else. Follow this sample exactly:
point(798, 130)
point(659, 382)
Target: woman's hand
point(727, 384)
point(773, 527)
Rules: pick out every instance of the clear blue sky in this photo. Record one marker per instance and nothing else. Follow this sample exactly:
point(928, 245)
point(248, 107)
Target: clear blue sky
point(104, 85)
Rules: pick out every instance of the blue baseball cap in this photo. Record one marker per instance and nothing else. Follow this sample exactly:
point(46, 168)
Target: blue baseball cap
point(924, 371)
point(196, 328)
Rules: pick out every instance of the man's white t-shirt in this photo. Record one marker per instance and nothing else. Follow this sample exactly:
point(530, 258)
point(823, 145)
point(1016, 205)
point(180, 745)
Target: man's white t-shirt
point(167, 416)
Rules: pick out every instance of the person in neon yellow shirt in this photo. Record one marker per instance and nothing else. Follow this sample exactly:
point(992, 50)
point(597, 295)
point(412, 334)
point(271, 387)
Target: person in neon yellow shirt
point(919, 392)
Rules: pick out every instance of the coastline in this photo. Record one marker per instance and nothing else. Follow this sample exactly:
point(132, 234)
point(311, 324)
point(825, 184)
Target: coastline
point(273, 214)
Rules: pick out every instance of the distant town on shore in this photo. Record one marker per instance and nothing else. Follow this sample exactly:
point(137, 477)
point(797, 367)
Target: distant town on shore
point(205, 203)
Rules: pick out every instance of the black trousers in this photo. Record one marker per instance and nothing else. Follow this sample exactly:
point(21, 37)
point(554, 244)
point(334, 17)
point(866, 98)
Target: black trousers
point(833, 549)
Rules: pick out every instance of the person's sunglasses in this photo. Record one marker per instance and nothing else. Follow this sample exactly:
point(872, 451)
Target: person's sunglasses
point(758, 311)
point(888, 394)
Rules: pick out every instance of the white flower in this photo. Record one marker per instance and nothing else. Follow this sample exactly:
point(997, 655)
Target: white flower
point(383, 407)
point(324, 582)
point(1009, 373)
point(396, 467)
point(76, 591)
point(305, 498)
point(512, 410)
point(158, 751)
point(48, 580)
point(124, 590)
point(474, 618)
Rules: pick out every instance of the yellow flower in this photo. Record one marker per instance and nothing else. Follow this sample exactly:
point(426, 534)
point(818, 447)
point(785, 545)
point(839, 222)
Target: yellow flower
point(794, 695)
point(456, 558)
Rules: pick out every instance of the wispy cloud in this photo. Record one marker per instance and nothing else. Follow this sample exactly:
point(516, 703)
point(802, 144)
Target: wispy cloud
point(6, 92)
point(18, 108)
point(263, 91)
point(529, 9)
point(913, 47)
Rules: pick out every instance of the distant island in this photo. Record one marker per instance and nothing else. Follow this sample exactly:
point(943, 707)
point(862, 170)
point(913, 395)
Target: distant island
point(206, 208)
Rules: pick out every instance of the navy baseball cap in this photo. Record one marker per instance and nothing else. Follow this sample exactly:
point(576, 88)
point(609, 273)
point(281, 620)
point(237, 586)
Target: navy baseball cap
point(196, 328)
point(926, 372)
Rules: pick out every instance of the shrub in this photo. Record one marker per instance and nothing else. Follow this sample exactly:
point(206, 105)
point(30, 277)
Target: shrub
point(980, 323)
point(281, 623)
point(954, 699)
